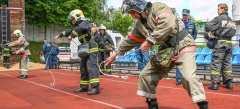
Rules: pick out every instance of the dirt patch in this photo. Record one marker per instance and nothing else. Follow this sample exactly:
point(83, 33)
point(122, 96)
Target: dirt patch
point(16, 66)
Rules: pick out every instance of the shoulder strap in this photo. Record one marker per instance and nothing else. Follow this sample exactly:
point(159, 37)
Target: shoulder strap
point(224, 27)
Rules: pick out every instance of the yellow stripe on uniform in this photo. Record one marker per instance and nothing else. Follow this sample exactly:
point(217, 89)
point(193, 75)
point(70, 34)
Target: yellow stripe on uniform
point(64, 33)
point(95, 80)
point(85, 82)
point(227, 41)
point(92, 50)
point(83, 37)
point(227, 71)
point(215, 72)
point(108, 70)
point(75, 33)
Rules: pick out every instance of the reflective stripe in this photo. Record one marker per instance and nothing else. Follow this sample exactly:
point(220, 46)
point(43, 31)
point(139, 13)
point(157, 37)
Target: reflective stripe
point(215, 72)
point(92, 50)
point(102, 70)
point(136, 38)
point(84, 82)
point(75, 33)
point(95, 80)
point(101, 49)
point(83, 37)
point(64, 33)
point(227, 71)
point(108, 70)
point(23, 70)
point(227, 41)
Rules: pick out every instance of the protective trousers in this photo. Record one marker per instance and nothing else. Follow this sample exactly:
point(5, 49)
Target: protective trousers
point(23, 65)
point(149, 78)
point(102, 56)
point(222, 53)
point(89, 68)
point(6, 60)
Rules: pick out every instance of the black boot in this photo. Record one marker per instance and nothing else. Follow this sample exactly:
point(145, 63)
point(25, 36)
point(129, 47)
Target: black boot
point(80, 90)
point(152, 103)
point(178, 82)
point(23, 77)
point(228, 85)
point(202, 105)
point(213, 86)
point(19, 76)
point(94, 91)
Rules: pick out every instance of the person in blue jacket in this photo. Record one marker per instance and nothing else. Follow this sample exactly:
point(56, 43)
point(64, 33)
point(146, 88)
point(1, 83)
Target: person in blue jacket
point(191, 29)
point(53, 55)
point(46, 52)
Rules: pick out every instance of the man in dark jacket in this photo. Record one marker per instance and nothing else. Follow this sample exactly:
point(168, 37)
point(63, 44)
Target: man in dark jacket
point(224, 29)
point(87, 52)
point(105, 46)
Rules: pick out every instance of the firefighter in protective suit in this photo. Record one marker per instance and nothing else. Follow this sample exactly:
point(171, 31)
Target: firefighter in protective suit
point(87, 52)
point(7, 51)
point(224, 29)
point(156, 24)
point(23, 51)
point(105, 46)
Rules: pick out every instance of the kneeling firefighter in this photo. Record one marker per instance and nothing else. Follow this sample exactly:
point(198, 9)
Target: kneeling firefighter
point(23, 51)
point(87, 51)
point(105, 46)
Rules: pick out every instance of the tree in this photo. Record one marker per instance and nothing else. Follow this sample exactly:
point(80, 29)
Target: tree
point(195, 21)
point(3, 2)
point(122, 24)
point(43, 13)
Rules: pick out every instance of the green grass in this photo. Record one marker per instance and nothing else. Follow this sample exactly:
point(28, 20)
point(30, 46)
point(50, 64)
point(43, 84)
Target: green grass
point(36, 48)
point(201, 46)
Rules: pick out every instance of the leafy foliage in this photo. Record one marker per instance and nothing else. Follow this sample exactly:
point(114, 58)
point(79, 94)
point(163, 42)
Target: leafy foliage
point(122, 24)
point(3, 2)
point(195, 21)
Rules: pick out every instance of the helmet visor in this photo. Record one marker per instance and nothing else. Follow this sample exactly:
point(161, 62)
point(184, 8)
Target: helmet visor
point(69, 16)
point(125, 9)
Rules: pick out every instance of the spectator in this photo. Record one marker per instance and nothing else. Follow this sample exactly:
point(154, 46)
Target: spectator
point(191, 29)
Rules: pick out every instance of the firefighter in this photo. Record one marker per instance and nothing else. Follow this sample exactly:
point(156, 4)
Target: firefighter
point(105, 46)
point(7, 51)
point(167, 30)
point(53, 55)
point(224, 29)
point(23, 51)
point(87, 52)
point(94, 31)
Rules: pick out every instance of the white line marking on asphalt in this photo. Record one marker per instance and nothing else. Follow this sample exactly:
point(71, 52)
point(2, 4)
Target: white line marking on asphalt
point(100, 102)
point(157, 86)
